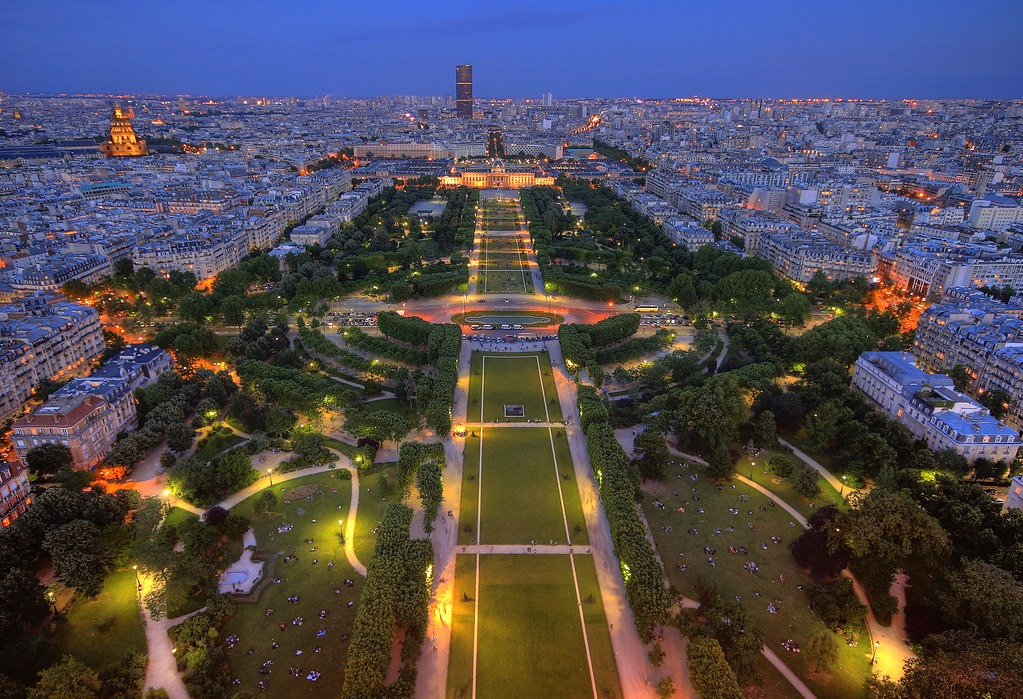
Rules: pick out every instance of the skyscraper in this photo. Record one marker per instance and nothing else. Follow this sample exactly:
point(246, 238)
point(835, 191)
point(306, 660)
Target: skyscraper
point(463, 91)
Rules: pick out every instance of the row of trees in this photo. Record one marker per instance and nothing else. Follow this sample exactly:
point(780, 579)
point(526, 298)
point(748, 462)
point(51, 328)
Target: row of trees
point(384, 347)
point(579, 342)
point(636, 347)
point(396, 593)
point(443, 349)
point(618, 483)
point(315, 341)
point(423, 464)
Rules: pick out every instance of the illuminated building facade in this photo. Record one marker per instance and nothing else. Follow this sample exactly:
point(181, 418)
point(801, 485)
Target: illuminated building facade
point(463, 91)
point(123, 142)
point(497, 176)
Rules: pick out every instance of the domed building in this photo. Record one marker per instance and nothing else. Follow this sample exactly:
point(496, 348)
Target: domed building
point(123, 142)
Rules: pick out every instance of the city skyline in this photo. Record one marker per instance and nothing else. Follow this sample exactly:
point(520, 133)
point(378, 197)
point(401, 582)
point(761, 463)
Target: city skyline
point(653, 50)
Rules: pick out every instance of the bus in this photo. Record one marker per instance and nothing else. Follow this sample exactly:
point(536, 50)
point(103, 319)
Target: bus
point(647, 309)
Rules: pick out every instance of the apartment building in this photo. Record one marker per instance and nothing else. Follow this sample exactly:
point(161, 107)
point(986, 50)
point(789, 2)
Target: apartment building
point(15, 495)
point(43, 338)
point(930, 407)
point(801, 255)
point(87, 414)
point(205, 254)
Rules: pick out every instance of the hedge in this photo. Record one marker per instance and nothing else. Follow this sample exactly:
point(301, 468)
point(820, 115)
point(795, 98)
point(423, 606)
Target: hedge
point(315, 341)
point(384, 347)
point(644, 577)
point(396, 593)
point(635, 348)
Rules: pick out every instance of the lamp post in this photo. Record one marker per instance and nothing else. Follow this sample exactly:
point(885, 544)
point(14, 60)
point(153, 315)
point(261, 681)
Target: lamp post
point(341, 525)
point(751, 465)
point(841, 490)
point(270, 475)
point(138, 585)
point(874, 655)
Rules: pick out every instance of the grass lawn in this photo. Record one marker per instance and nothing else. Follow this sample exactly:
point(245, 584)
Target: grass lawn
point(521, 501)
point(377, 489)
point(679, 548)
point(100, 631)
point(504, 283)
point(785, 488)
point(506, 244)
point(530, 641)
point(513, 379)
point(502, 260)
point(313, 583)
point(217, 444)
point(343, 447)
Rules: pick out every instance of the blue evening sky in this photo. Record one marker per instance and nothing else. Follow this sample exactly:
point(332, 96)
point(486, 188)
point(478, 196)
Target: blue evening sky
point(630, 48)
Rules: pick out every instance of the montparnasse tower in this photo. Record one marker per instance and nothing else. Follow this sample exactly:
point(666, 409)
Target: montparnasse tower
point(123, 142)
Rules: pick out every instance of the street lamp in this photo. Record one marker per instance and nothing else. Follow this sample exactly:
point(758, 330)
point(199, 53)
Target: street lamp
point(842, 487)
point(751, 465)
point(874, 655)
point(138, 585)
point(270, 475)
point(341, 524)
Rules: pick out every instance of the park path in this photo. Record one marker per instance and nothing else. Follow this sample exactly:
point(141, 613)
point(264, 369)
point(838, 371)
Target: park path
point(161, 668)
point(787, 673)
point(161, 671)
point(828, 475)
point(432, 677)
point(635, 672)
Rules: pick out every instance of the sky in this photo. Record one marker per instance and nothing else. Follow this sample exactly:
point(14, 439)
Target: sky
point(628, 48)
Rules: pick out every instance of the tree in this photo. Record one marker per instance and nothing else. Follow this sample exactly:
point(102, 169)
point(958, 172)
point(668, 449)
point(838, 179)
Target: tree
point(765, 429)
point(816, 550)
point(651, 454)
point(808, 482)
point(79, 557)
point(233, 308)
point(68, 679)
point(821, 649)
point(960, 377)
point(794, 309)
point(711, 676)
point(49, 458)
point(740, 637)
point(666, 688)
point(264, 503)
point(887, 530)
point(997, 401)
point(180, 436)
point(987, 598)
point(22, 602)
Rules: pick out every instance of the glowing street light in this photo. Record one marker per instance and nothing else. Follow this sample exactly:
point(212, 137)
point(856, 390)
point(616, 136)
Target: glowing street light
point(270, 475)
point(842, 487)
point(341, 525)
point(874, 654)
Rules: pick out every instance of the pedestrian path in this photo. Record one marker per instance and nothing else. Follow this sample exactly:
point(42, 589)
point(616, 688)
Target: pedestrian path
point(563, 549)
point(828, 476)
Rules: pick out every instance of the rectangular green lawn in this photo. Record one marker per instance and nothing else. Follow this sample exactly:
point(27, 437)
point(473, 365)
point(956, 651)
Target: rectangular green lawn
point(503, 261)
point(100, 631)
point(513, 379)
point(504, 283)
point(530, 641)
point(521, 500)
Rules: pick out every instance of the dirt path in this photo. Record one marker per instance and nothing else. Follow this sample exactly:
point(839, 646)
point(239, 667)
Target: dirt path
point(828, 476)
